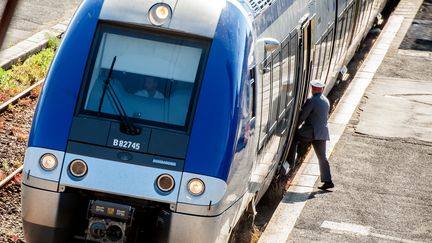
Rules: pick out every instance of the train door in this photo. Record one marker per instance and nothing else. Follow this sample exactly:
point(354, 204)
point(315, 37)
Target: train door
point(304, 67)
point(306, 49)
point(302, 74)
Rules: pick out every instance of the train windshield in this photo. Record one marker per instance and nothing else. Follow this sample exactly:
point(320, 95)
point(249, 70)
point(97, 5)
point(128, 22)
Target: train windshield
point(154, 76)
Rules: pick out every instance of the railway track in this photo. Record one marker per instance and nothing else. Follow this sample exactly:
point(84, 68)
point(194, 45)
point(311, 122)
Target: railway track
point(15, 121)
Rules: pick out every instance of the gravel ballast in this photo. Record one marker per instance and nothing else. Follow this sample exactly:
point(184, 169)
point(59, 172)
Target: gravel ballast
point(15, 125)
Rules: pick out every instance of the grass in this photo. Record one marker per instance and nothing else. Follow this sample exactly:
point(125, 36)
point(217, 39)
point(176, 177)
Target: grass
point(24, 74)
point(19, 77)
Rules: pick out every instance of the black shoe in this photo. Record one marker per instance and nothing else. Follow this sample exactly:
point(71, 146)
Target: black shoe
point(326, 185)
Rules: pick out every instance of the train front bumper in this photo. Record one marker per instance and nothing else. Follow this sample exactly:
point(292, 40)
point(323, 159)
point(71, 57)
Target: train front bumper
point(47, 216)
point(53, 203)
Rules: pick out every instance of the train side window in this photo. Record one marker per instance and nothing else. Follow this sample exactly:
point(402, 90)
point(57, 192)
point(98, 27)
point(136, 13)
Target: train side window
point(342, 38)
point(284, 78)
point(324, 51)
point(368, 11)
point(320, 54)
point(349, 27)
point(353, 19)
point(326, 57)
point(265, 102)
point(252, 84)
point(338, 40)
point(361, 16)
point(275, 89)
point(346, 30)
point(292, 68)
point(365, 10)
point(316, 59)
point(367, 7)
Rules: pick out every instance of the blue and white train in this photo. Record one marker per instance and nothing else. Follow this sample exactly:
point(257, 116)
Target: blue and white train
point(164, 120)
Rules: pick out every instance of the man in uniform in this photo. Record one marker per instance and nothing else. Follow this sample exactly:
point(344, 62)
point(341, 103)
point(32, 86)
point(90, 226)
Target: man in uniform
point(315, 114)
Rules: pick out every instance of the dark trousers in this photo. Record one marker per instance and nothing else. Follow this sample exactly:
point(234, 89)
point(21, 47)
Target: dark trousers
point(320, 150)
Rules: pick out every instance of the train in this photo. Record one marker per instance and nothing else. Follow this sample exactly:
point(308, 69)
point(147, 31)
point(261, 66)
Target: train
point(165, 121)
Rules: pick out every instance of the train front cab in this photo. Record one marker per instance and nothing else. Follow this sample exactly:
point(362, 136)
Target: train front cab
point(124, 147)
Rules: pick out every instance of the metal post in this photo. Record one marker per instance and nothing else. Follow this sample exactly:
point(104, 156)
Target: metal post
point(6, 18)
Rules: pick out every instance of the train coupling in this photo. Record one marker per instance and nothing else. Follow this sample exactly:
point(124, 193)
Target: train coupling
point(108, 222)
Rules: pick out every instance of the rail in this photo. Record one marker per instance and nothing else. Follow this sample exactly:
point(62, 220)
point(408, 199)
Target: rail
point(11, 176)
point(3, 108)
point(26, 92)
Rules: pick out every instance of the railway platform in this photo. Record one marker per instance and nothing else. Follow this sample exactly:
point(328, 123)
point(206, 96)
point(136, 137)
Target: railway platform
point(381, 150)
point(33, 23)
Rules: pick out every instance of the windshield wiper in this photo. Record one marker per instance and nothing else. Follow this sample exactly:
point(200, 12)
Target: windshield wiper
point(127, 126)
point(106, 82)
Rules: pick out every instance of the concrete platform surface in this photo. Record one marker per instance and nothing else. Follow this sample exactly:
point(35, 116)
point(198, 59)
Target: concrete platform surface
point(382, 185)
point(32, 16)
point(33, 24)
point(397, 107)
point(381, 162)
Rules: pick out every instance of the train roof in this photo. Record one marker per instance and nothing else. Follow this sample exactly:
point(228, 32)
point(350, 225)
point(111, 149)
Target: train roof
point(256, 6)
point(198, 17)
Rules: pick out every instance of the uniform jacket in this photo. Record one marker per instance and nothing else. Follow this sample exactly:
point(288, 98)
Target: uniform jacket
point(314, 114)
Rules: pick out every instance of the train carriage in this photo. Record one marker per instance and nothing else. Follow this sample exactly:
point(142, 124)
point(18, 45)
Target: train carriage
point(164, 120)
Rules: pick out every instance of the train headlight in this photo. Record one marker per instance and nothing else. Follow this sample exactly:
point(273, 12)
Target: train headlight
point(48, 162)
point(165, 183)
point(159, 14)
point(78, 168)
point(196, 187)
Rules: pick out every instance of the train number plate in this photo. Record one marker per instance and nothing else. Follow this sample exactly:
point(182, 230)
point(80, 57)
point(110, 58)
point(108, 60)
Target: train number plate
point(126, 144)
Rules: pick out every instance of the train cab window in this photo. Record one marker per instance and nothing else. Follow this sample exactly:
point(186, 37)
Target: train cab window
point(154, 76)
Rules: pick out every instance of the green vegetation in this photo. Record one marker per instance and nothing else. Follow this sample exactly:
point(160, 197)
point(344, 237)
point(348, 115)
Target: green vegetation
point(5, 165)
point(23, 75)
